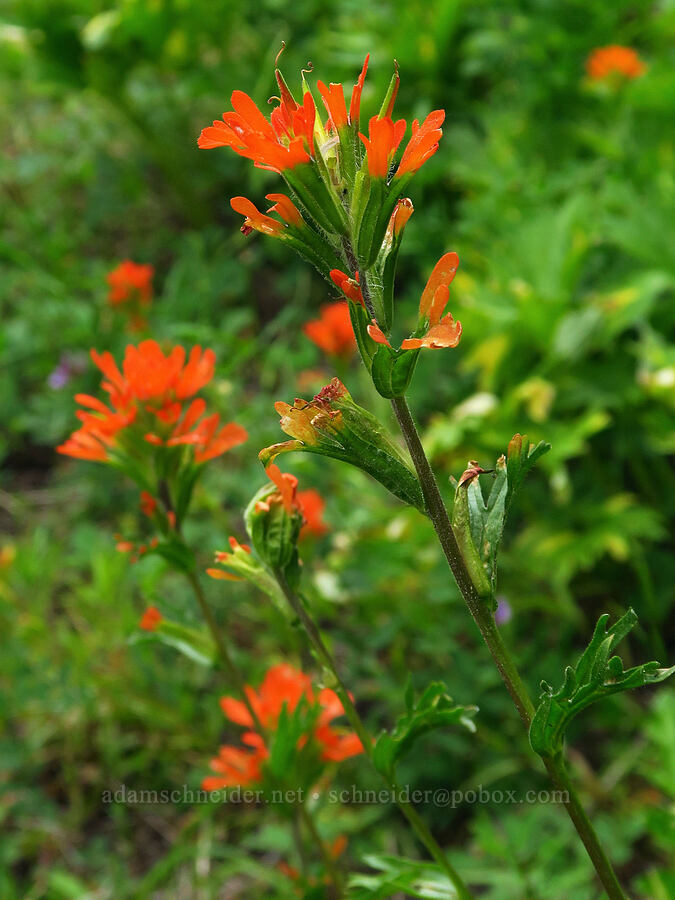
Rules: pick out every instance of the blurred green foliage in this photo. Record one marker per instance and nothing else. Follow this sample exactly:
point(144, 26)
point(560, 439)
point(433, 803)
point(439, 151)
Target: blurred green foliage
point(558, 195)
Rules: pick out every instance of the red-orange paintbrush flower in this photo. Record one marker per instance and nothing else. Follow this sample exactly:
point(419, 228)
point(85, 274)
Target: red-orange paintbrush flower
point(614, 60)
point(349, 286)
point(279, 144)
point(332, 332)
point(334, 100)
point(130, 281)
point(148, 401)
point(423, 143)
point(441, 331)
point(283, 688)
point(384, 137)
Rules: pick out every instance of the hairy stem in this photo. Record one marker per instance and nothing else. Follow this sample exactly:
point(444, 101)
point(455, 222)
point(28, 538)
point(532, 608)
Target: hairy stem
point(500, 654)
point(558, 772)
point(326, 659)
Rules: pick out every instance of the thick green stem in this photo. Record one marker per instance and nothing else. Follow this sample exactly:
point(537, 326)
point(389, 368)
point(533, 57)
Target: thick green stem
point(500, 654)
point(446, 536)
point(326, 659)
point(558, 772)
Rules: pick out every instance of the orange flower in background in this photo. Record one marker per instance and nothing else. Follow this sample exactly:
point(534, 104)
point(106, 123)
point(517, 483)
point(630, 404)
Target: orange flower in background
point(130, 281)
point(332, 332)
point(282, 687)
point(235, 766)
point(148, 503)
point(614, 60)
point(312, 505)
point(147, 400)
point(131, 289)
point(150, 619)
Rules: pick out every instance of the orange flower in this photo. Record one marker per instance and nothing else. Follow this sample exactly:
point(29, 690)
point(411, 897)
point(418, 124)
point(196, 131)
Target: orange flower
point(349, 286)
point(236, 766)
point(284, 206)
point(148, 503)
point(150, 619)
point(130, 281)
point(423, 143)
point(440, 332)
point(332, 332)
point(334, 101)
point(614, 60)
point(280, 143)
point(257, 221)
point(148, 396)
point(446, 333)
point(312, 505)
point(384, 137)
point(287, 486)
point(282, 687)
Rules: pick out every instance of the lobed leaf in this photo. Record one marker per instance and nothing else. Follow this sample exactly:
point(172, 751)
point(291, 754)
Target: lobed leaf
point(596, 675)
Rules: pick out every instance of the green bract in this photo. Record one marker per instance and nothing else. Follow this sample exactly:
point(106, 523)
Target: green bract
point(434, 709)
point(478, 523)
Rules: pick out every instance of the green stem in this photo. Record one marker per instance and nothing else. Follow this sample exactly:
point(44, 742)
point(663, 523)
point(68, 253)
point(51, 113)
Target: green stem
point(237, 680)
point(558, 772)
point(446, 536)
point(326, 659)
point(228, 664)
point(333, 870)
point(500, 654)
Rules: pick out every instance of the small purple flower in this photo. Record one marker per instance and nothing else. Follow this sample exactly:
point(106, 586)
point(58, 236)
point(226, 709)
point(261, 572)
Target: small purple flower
point(69, 366)
point(504, 612)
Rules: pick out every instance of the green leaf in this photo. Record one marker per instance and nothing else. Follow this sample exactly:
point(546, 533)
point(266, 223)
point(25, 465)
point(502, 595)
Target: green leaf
point(188, 641)
point(434, 709)
point(396, 876)
point(596, 675)
point(176, 553)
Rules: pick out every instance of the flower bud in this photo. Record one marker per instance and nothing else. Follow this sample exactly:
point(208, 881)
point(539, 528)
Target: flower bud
point(333, 425)
point(273, 520)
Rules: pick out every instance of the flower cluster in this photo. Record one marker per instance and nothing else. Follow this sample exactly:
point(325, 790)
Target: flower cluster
point(332, 332)
point(347, 213)
point(153, 427)
point(284, 690)
point(131, 289)
point(612, 61)
point(344, 175)
point(147, 400)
